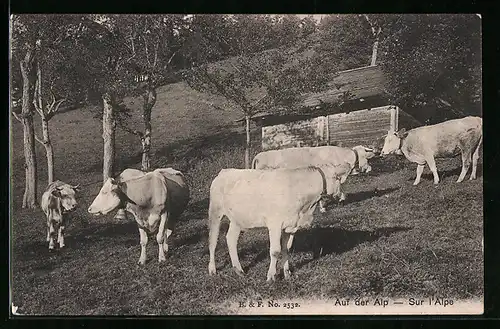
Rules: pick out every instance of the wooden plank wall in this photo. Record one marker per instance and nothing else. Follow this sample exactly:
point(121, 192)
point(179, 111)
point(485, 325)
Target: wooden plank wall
point(364, 127)
point(309, 132)
point(360, 127)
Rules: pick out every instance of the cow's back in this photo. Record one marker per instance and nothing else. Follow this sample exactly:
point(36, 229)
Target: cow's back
point(251, 197)
point(445, 138)
point(301, 157)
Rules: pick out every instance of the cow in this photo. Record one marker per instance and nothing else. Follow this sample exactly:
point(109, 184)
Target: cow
point(446, 139)
point(300, 157)
point(58, 199)
point(156, 199)
point(283, 200)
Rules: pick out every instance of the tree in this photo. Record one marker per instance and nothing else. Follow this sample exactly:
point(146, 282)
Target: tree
point(257, 82)
point(432, 61)
point(25, 40)
point(375, 29)
point(46, 111)
point(151, 46)
point(345, 40)
point(102, 62)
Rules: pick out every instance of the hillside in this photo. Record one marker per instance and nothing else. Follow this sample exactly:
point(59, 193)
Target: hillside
point(390, 239)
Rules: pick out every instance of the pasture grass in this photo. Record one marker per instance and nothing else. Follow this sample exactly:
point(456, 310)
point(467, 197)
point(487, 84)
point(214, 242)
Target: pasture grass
point(389, 239)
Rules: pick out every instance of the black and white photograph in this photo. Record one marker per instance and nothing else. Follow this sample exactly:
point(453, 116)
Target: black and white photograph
point(245, 164)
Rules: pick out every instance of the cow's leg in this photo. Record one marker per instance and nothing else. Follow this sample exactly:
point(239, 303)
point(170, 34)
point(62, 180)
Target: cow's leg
point(51, 236)
point(432, 166)
point(286, 244)
point(60, 236)
point(322, 208)
point(475, 158)
point(274, 251)
point(160, 237)
point(214, 218)
point(420, 170)
point(168, 232)
point(233, 233)
point(466, 159)
point(144, 241)
point(48, 233)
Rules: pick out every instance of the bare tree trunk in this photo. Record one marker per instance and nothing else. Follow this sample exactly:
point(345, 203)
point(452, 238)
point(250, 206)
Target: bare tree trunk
point(374, 52)
point(30, 191)
point(247, 148)
point(108, 135)
point(376, 29)
point(48, 149)
point(149, 101)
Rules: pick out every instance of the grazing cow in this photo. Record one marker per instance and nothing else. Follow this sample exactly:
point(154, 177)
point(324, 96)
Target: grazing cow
point(58, 199)
point(156, 199)
point(300, 157)
point(446, 139)
point(283, 200)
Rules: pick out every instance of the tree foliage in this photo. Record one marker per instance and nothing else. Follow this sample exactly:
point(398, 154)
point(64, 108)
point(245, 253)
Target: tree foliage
point(433, 61)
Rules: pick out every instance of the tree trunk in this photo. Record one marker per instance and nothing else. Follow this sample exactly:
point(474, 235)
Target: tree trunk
point(149, 98)
point(247, 148)
point(30, 191)
point(374, 52)
point(48, 150)
point(108, 136)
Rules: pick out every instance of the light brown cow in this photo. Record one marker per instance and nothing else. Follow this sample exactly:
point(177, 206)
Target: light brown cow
point(58, 199)
point(447, 139)
point(156, 199)
point(283, 200)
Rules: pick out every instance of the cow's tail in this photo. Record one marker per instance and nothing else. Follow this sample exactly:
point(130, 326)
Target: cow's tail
point(215, 213)
point(476, 152)
point(254, 163)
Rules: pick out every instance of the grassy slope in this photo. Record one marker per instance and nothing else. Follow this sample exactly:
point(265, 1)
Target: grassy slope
point(391, 239)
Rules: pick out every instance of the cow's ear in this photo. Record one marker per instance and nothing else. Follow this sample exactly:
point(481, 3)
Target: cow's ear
point(402, 133)
point(57, 193)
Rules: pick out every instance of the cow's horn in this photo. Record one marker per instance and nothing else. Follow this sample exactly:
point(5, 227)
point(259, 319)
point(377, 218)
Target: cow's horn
point(75, 187)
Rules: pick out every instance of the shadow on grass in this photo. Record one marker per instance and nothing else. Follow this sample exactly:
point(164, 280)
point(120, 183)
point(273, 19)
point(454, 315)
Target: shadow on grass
point(455, 172)
point(322, 241)
point(364, 195)
point(189, 150)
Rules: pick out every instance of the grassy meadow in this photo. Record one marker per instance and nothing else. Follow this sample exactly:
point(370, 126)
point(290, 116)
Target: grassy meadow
point(389, 239)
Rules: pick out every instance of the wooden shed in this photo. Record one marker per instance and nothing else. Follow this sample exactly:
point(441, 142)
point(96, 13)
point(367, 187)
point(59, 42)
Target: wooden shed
point(364, 117)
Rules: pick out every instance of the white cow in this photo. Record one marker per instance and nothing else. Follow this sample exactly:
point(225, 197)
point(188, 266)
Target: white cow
point(447, 139)
point(283, 200)
point(300, 157)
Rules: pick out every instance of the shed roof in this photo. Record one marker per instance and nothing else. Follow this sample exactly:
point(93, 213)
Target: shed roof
point(364, 84)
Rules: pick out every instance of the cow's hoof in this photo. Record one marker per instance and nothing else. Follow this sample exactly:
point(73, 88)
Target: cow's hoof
point(322, 210)
point(270, 279)
point(287, 274)
point(239, 272)
point(141, 262)
point(211, 269)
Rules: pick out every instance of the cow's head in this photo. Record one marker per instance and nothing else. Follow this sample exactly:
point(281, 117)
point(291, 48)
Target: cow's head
point(67, 194)
point(392, 141)
point(364, 154)
point(108, 198)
